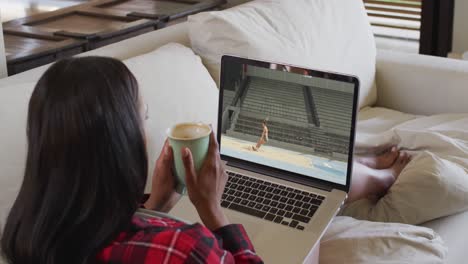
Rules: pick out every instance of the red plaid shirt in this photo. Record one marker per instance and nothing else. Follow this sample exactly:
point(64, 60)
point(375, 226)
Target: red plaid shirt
point(164, 240)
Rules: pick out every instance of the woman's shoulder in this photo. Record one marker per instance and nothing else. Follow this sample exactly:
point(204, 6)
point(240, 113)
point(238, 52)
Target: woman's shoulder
point(157, 229)
point(152, 238)
point(140, 222)
point(154, 225)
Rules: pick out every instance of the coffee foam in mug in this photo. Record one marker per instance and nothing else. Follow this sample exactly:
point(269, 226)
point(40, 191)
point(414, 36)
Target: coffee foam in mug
point(189, 131)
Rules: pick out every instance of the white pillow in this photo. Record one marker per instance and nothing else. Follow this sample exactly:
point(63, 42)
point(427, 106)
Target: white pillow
point(430, 186)
point(332, 35)
point(177, 88)
point(352, 241)
point(14, 102)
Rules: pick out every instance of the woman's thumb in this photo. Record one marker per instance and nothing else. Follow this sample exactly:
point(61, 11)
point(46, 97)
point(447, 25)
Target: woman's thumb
point(188, 164)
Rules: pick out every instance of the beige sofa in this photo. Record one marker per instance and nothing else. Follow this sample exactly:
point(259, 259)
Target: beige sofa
point(407, 83)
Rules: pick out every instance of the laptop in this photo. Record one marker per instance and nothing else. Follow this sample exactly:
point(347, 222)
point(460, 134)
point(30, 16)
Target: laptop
point(286, 134)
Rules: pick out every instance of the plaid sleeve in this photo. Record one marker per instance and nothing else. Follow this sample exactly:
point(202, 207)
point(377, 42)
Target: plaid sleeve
point(235, 240)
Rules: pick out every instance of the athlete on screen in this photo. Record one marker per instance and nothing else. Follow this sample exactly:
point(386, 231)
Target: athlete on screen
point(263, 138)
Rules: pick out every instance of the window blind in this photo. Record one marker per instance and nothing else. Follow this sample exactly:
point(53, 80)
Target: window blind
point(395, 18)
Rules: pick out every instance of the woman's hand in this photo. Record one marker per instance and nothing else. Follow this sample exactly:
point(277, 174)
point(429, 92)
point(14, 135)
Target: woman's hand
point(163, 195)
point(206, 188)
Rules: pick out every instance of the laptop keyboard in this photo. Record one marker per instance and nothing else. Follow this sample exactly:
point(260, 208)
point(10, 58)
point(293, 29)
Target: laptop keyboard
point(273, 202)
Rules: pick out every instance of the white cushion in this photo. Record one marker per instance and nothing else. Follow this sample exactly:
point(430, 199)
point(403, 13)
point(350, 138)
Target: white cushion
point(333, 35)
point(177, 88)
point(352, 241)
point(14, 102)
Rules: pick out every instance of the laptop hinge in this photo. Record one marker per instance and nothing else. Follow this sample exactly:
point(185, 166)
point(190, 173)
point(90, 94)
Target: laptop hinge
point(281, 175)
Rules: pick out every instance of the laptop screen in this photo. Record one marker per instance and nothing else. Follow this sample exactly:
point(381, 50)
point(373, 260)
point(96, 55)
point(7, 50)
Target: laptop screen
point(288, 118)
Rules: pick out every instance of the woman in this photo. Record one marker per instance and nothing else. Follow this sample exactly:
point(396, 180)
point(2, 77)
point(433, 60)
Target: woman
point(263, 138)
point(85, 176)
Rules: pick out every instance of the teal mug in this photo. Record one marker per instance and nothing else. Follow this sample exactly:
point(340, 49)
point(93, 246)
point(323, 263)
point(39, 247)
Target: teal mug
point(194, 136)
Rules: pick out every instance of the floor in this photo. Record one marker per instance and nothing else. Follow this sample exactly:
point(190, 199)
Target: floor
point(21, 8)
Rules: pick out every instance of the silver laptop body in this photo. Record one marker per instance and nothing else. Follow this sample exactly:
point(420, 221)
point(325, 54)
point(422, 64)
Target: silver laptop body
point(286, 181)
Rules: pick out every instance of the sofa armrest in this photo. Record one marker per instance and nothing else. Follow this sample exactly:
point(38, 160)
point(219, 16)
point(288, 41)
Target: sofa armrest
point(422, 85)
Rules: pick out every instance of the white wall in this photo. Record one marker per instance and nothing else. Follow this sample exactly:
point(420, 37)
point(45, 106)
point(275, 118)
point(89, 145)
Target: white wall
point(460, 29)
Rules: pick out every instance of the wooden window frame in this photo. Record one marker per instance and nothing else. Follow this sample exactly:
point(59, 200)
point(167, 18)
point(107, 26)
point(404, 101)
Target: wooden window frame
point(436, 27)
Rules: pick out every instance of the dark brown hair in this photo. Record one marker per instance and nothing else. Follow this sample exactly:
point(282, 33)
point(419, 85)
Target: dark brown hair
point(86, 165)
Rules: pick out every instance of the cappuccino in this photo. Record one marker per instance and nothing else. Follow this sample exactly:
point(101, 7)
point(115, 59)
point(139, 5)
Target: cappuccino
point(187, 131)
point(194, 136)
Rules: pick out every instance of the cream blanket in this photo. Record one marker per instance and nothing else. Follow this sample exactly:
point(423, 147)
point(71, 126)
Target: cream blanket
point(435, 183)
